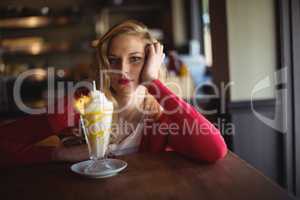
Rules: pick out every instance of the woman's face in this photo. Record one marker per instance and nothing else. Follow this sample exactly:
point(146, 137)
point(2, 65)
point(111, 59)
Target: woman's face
point(126, 56)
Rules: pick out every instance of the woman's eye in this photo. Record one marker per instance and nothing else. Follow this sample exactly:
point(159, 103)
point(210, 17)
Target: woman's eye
point(113, 61)
point(135, 59)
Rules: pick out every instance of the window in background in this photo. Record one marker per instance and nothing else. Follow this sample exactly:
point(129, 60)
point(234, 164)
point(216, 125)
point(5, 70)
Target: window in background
point(206, 33)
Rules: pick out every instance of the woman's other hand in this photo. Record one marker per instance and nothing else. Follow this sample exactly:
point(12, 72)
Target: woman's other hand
point(71, 154)
point(153, 61)
point(70, 131)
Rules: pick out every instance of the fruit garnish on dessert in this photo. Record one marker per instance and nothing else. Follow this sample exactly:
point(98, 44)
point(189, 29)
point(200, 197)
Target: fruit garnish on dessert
point(81, 102)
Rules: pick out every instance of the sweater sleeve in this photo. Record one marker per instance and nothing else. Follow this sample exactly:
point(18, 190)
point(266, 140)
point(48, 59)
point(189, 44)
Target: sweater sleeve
point(189, 132)
point(18, 138)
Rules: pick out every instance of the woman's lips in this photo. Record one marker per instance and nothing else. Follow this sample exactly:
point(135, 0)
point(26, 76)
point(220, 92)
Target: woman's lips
point(123, 81)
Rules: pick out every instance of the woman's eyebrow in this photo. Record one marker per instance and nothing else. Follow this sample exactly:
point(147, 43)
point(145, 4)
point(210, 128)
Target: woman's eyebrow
point(136, 52)
point(132, 53)
point(111, 55)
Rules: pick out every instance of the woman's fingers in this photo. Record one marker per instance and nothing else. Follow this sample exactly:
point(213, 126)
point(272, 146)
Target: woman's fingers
point(71, 154)
point(157, 47)
point(158, 50)
point(151, 50)
point(162, 53)
point(70, 132)
point(154, 58)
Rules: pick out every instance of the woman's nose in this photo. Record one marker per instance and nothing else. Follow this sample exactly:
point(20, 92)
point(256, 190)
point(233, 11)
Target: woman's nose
point(125, 67)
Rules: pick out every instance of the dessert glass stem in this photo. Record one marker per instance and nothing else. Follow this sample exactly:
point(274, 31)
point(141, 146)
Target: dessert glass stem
point(96, 160)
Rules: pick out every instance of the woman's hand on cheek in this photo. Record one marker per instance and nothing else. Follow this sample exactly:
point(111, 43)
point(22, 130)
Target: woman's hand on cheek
point(154, 59)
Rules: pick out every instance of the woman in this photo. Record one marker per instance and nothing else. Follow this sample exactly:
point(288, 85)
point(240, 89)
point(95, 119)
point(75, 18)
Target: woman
point(130, 61)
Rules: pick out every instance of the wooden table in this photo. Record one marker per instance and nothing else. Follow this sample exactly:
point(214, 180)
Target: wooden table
point(148, 176)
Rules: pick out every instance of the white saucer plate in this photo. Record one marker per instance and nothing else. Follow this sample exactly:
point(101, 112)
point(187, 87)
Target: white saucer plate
point(116, 166)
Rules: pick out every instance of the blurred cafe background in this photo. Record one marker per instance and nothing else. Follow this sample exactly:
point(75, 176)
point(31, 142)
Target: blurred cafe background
point(237, 61)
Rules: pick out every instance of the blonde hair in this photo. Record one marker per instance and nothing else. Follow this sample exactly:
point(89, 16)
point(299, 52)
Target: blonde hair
point(131, 27)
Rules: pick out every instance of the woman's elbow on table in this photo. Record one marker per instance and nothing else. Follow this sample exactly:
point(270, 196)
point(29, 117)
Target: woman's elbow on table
point(210, 149)
point(210, 156)
point(217, 154)
point(209, 152)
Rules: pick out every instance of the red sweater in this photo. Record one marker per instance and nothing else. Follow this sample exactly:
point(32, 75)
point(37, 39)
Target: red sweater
point(180, 128)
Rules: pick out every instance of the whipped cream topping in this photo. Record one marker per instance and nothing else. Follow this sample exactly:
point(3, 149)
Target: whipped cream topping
point(99, 102)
